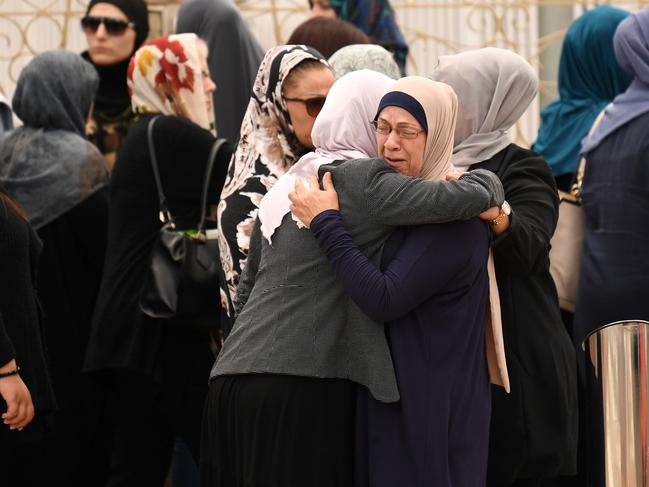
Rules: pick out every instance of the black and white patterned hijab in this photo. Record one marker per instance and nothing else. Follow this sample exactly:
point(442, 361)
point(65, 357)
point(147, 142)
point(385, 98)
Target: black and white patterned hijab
point(267, 148)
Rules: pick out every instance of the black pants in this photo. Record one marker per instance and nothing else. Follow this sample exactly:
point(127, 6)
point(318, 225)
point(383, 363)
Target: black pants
point(63, 447)
point(21, 454)
point(147, 416)
point(144, 428)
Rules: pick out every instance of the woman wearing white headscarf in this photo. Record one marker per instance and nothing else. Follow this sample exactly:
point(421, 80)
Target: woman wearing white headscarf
point(432, 291)
point(533, 429)
point(280, 410)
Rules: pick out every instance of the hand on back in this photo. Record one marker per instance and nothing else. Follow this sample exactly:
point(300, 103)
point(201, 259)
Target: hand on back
point(307, 203)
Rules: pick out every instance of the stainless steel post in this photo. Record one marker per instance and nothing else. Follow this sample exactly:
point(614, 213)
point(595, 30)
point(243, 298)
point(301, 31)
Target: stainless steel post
point(617, 384)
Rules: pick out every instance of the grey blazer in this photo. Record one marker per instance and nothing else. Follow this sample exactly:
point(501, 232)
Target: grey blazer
point(295, 317)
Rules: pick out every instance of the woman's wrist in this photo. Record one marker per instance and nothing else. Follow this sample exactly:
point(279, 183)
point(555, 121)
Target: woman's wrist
point(320, 217)
point(9, 369)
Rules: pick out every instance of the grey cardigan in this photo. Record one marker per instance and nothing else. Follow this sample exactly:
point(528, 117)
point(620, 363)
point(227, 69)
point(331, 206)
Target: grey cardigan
point(296, 319)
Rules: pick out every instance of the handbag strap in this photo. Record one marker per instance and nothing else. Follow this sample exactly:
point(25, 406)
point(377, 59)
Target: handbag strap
point(165, 214)
point(206, 183)
point(581, 170)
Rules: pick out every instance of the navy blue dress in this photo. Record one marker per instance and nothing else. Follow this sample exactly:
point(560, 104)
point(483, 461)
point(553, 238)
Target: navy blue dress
point(614, 276)
point(432, 293)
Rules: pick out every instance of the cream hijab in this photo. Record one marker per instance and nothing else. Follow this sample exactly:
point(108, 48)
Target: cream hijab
point(495, 87)
point(165, 76)
point(341, 131)
point(440, 106)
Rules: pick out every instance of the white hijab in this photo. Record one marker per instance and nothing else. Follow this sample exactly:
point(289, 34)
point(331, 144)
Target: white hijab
point(494, 88)
point(341, 131)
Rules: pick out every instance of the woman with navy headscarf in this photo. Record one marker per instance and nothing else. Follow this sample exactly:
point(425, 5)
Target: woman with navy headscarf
point(589, 79)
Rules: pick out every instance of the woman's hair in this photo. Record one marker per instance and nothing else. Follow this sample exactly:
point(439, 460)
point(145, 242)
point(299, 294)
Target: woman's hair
point(327, 35)
point(307, 65)
point(11, 203)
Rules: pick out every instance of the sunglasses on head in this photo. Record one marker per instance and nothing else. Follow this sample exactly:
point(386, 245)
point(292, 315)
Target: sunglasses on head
point(113, 26)
point(313, 105)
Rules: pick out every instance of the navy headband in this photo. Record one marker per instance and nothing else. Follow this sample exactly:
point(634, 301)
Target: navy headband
point(405, 101)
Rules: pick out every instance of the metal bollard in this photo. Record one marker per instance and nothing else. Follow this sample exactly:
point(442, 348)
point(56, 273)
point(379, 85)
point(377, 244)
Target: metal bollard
point(617, 380)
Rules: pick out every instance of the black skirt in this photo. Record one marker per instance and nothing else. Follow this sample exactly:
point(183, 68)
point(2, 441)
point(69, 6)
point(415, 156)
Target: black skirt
point(266, 430)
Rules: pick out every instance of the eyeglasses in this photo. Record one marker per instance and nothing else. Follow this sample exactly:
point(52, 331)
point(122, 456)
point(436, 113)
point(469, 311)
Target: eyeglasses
point(313, 105)
point(114, 27)
point(402, 132)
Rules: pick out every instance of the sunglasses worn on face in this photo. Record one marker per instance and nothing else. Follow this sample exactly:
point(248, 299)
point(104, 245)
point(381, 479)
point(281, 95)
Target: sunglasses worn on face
point(114, 27)
point(313, 105)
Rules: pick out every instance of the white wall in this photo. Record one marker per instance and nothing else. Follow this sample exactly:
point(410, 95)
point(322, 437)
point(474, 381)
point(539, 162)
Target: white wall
point(432, 28)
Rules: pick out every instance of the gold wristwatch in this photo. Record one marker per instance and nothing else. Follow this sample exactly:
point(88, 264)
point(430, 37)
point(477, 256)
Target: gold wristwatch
point(505, 211)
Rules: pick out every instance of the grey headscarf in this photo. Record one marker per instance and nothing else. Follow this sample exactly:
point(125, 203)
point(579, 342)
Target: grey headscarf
point(494, 87)
point(364, 56)
point(234, 57)
point(47, 166)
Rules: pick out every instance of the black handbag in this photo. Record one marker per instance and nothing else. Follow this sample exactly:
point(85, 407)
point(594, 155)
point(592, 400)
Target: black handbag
point(182, 282)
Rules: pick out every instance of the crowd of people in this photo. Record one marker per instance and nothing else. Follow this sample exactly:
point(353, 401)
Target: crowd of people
point(387, 316)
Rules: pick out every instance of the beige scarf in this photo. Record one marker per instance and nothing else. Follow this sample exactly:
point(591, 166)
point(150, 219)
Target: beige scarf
point(440, 106)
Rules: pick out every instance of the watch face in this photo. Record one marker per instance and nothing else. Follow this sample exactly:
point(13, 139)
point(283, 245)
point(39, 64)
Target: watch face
point(507, 210)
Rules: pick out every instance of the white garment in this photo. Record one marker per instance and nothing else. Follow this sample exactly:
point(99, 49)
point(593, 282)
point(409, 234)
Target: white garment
point(494, 87)
point(342, 131)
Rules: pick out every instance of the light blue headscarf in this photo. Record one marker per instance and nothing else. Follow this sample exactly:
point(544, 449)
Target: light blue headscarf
point(632, 50)
point(589, 79)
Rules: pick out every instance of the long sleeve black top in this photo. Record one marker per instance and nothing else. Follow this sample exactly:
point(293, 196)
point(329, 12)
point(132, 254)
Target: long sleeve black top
point(534, 428)
point(20, 331)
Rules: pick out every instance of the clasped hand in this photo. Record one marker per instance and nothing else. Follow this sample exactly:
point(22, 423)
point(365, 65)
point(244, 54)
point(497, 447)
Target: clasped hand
point(307, 203)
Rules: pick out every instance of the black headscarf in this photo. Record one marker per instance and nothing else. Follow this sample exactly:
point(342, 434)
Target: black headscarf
point(136, 12)
point(234, 57)
point(112, 97)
